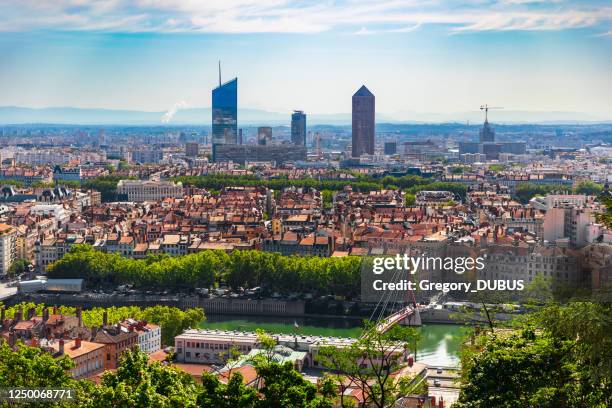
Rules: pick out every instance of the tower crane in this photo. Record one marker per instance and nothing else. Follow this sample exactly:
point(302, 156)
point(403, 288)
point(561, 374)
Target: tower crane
point(486, 108)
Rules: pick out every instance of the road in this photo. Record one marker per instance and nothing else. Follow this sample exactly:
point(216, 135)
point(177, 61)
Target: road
point(6, 291)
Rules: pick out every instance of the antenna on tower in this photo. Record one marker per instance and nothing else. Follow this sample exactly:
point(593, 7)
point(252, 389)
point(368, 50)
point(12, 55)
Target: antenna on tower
point(219, 72)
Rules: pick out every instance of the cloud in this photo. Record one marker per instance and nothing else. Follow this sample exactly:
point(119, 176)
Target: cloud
point(605, 34)
point(285, 16)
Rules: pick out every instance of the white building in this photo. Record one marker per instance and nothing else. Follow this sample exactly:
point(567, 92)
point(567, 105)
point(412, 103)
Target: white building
point(42, 157)
point(149, 335)
point(203, 346)
point(146, 190)
point(7, 247)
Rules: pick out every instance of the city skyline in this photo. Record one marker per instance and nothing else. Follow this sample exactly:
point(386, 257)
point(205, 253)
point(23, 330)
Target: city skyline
point(416, 57)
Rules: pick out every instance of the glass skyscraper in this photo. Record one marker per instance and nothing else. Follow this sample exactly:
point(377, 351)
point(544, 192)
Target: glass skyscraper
point(298, 128)
point(225, 113)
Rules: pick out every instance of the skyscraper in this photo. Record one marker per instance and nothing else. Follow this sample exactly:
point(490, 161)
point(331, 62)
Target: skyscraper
point(264, 135)
point(298, 128)
point(363, 122)
point(487, 134)
point(225, 113)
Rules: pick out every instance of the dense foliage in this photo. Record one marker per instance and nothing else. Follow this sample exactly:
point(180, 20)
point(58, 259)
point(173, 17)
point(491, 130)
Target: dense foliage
point(561, 357)
point(172, 320)
point(106, 185)
point(29, 367)
point(203, 269)
point(526, 191)
point(139, 383)
point(410, 183)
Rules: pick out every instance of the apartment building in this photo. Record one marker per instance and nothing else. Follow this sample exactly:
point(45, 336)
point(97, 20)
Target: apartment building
point(149, 335)
point(8, 237)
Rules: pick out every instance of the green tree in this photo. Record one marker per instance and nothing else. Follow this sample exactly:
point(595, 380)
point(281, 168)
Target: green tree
point(562, 357)
point(588, 188)
point(526, 191)
point(233, 395)
point(18, 267)
point(410, 200)
point(136, 383)
point(370, 364)
point(31, 367)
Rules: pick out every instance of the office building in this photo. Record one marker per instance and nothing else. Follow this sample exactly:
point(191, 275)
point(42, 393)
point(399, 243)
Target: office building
point(298, 128)
point(363, 122)
point(144, 156)
point(487, 134)
point(264, 135)
point(225, 113)
point(278, 154)
point(192, 149)
point(390, 148)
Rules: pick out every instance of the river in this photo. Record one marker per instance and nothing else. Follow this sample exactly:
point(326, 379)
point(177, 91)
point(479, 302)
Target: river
point(439, 345)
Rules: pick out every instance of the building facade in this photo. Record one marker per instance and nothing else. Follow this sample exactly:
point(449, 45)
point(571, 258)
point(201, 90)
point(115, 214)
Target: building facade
point(363, 122)
point(8, 237)
point(242, 154)
point(225, 113)
point(298, 128)
point(146, 190)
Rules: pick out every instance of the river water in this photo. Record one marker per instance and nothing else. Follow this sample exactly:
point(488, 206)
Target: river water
point(439, 344)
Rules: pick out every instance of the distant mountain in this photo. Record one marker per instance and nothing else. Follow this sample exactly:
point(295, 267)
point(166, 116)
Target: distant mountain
point(202, 116)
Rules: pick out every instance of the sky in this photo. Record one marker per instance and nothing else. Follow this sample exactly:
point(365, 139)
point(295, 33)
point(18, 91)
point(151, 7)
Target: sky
point(438, 56)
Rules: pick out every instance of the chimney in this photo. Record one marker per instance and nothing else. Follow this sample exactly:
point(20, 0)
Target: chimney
point(55, 309)
point(45, 315)
point(441, 402)
point(433, 401)
point(12, 339)
point(18, 314)
point(31, 312)
point(79, 314)
point(105, 318)
point(61, 346)
point(77, 342)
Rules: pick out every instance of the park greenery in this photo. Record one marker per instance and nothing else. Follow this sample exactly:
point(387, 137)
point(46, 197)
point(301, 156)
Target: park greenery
point(526, 191)
point(106, 185)
point(408, 183)
point(246, 269)
point(172, 320)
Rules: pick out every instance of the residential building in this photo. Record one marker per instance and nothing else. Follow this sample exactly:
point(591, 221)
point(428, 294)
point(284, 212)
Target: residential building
point(149, 335)
point(8, 238)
